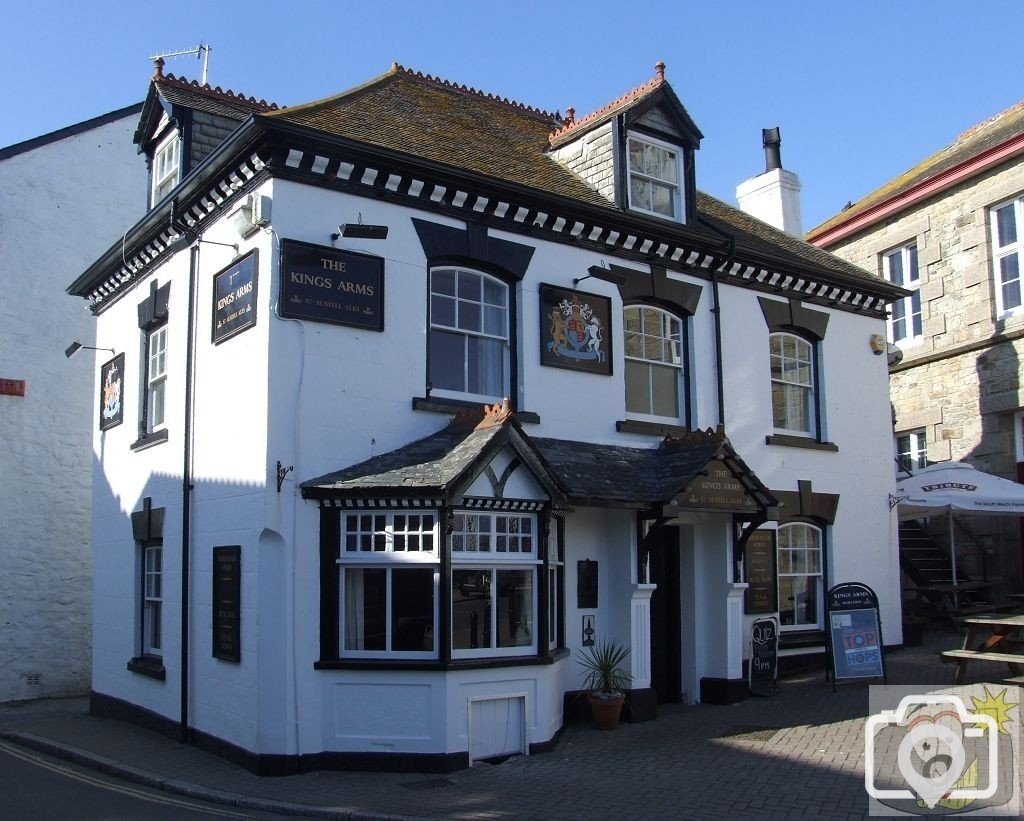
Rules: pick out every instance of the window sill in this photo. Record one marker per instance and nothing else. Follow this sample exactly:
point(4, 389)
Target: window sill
point(149, 666)
point(453, 406)
point(149, 440)
point(650, 428)
point(800, 442)
point(440, 666)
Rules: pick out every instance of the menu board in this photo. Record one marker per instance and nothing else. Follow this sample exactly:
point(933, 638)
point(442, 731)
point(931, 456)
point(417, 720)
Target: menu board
point(227, 609)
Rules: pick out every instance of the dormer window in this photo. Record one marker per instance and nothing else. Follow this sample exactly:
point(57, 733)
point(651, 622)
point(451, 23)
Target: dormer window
point(165, 168)
point(654, 177)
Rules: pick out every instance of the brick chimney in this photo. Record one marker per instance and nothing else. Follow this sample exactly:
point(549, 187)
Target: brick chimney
point(774, 196)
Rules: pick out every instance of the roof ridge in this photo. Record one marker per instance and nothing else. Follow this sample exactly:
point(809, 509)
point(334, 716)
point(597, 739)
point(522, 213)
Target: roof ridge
point(571, 124)
point(195, 85)
point(447, 84)
point(989, 121)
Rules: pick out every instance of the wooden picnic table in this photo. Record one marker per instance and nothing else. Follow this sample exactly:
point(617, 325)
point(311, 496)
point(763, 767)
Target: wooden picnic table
point(989, 638)
point(950, 600)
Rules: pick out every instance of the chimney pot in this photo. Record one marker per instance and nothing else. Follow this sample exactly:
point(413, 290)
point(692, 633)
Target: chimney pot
point(771, 139)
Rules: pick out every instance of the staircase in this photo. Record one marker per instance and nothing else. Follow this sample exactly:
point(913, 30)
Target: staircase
point(923, 560)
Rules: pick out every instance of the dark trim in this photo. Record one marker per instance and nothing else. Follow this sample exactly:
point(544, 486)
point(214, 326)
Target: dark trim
point(796, 639)
point(804, 503)
point(149, 440)
point(473, 246)
point(793, 314)
point(453, 406)
point(650, 428)
point(104, 706)
point(800, 442)
point(723, 690)
point(186, 486)
point(437, 665)
point(149, 666)
point(69, 131)
point(641, 705)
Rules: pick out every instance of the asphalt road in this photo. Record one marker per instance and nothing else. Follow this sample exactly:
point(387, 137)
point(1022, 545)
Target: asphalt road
point(33, 785)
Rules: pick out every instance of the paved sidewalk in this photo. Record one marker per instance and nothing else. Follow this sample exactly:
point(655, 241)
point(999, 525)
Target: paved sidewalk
point(798, 754)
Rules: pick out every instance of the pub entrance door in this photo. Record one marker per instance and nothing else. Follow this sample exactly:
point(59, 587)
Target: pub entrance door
point(666, 613)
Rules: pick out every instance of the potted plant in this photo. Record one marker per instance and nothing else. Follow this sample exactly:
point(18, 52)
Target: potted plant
point(605, 679)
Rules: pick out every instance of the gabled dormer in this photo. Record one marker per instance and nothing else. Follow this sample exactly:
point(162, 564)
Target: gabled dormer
point(182, 122)
point(637, 151)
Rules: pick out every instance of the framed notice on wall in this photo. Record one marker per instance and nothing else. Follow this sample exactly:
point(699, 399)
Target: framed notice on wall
point(759, 563)
point(112, 393)
point(323, 284)
point(227, 603)
point(234, 299)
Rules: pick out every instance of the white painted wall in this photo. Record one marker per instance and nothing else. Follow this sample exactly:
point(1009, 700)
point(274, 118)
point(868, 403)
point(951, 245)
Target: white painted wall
point(61, 204)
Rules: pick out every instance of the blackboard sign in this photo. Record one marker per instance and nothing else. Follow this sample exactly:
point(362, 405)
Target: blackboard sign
point(854, 640)
point(761, 595)
point(328, 285)
point(764, 657)
point(227, 603)
point(586, 584)
point(234, 299)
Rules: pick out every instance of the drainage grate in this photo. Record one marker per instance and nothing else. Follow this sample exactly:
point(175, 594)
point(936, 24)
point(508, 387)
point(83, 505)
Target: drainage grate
point(750, 733)
point(430, 784)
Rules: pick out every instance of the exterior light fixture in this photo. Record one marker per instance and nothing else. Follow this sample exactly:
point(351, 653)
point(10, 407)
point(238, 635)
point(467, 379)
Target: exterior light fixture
point(251, 215)
point(77, 346)
point(359, 230)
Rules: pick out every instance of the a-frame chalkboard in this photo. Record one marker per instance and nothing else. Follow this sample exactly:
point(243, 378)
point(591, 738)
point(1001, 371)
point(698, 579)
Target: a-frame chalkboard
point(854, 633)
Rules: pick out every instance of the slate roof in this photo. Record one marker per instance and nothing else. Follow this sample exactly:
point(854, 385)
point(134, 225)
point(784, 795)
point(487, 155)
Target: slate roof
point(972, 142)
point(585, 472)
point(425, 117)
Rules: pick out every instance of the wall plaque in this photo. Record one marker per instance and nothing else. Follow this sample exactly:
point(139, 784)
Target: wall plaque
point(324, 284)
point(575, 330)
point(234, 299)
point(112, 393)
point(716, 489)
point(759, 562)
point(227, 603)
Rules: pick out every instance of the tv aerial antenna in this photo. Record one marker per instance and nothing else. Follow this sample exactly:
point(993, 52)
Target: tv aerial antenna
point(202, 51)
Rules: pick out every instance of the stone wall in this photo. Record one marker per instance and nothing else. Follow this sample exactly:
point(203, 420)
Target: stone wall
point(60, 204)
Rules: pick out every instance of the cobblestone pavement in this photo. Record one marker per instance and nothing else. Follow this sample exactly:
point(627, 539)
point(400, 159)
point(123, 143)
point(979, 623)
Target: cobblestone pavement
point(797, 754)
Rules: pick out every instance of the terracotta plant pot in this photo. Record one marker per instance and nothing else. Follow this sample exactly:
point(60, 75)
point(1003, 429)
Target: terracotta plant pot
point(606, 710)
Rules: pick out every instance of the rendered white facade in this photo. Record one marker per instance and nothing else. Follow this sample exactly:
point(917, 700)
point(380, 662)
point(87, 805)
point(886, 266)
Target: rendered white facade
point(62, 196)
point(311, 398)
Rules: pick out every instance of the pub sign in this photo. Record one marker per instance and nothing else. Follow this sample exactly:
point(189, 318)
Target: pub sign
point(325, 284)
point(575, 330)
point(234, 298)
point(759, 561)
point(227, 602)
point(112, 393)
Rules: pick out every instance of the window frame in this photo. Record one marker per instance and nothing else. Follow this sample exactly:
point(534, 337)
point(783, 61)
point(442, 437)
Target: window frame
point(1000, 252)
point(915, 455)
point(910, 309)
point(678, 195)
point(382, 555)
point(459, 302)
point(819, 548)
point(811, 388)
point(151, 600)
point(155, 383)
point(166, 167)
point(682, 368)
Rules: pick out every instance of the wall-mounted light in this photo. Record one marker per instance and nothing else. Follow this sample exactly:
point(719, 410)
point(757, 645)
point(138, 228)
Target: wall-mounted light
point(77, 346)
point(358, 230)
point(251, 215)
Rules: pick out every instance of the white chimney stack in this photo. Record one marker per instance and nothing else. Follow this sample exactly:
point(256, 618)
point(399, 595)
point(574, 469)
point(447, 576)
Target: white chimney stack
point(774, 196)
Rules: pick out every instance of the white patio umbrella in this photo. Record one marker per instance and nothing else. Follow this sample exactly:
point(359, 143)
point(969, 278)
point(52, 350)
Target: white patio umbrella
point(951, 487)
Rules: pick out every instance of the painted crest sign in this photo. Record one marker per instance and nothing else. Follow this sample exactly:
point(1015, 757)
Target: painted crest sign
point(112, 393)
point(575, 330)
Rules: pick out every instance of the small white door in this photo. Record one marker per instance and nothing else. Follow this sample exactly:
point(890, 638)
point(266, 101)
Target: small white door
point(497, 727)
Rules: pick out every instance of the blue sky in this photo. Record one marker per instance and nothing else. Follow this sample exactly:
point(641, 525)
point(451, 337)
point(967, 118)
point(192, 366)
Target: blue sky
point(861, 90)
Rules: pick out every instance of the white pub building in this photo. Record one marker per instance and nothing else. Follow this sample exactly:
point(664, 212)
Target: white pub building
point(417, 391)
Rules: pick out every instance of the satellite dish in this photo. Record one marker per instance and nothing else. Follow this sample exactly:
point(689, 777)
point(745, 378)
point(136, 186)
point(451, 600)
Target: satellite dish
point(894, 353)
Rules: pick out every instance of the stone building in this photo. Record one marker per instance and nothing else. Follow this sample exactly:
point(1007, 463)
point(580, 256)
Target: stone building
point(314, 547)
point(62, 196)
point(951, 230)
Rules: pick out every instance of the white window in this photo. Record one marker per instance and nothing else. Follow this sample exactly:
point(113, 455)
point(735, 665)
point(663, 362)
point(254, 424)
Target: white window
point(469, 335)
point(800, 578)
point(912, 450)
point(165, 168)
point(152, 598)
point(655, 376)
point(494, 582)
point(900, 268)
point(792, 375)
point(1006, 253)
point(156, 378)
point(389, 568)
point(654, 177)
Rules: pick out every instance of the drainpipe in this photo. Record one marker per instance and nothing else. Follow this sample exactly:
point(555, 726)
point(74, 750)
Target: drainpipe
point(186, 491)
point(717, 311)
